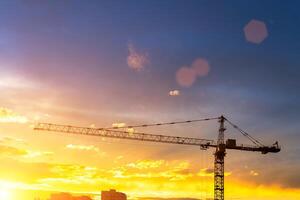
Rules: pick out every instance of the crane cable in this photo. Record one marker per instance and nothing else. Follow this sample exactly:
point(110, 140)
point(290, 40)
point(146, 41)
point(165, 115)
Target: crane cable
point(164, 123)
point(247, 135)
point(244, 133)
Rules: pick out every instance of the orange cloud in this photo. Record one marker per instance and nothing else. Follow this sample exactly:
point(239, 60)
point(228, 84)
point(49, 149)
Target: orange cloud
point(210, 172)
point(142, 178)
point(8, 116)
point(11, 151)
point(254, 173)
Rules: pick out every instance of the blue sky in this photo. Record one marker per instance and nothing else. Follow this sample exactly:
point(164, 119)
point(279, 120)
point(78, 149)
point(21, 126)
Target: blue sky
point(75, 54)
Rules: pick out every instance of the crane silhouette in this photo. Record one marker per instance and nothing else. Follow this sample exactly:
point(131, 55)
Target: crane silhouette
point(220, 145)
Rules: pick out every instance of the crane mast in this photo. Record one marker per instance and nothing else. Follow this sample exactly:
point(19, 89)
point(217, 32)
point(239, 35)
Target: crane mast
point(204, 144)
point(219, 163)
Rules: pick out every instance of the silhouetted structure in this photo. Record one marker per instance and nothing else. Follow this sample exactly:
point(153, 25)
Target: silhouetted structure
point(67, 196)
point(204, 144)
point(113, 195)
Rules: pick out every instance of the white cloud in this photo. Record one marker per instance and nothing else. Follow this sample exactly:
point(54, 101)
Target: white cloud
point(174, 93)
point(130, 130)
point(8, 116)
point(118, 124)
point(82, 147)
point(136, 60)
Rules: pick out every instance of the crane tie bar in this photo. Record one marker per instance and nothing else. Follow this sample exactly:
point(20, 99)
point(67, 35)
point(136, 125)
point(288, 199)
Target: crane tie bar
point(165, 123)
point(247, 135)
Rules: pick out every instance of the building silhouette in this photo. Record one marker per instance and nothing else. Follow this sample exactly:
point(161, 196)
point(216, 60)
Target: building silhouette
point(67, 196)
point(113, 195)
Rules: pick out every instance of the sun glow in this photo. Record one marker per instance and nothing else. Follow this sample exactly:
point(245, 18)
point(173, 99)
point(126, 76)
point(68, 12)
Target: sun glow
point(4, 194)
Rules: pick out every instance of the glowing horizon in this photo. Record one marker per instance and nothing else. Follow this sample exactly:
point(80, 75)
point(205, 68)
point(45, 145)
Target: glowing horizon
point(114, 64)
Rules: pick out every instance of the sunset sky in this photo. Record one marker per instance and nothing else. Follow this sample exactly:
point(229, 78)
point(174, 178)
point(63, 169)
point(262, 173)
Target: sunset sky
point(108, 63)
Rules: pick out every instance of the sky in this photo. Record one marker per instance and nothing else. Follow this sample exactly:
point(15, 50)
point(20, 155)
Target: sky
point(110, 63)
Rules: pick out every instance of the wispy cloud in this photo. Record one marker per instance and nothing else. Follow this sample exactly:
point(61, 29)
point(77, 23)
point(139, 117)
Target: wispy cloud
point(34, 154)
point(14, 152)
point(12, 140)
point(15, 82)
point(136, 60)
point(146, 164)
point(152, 169)
point(83, 147)
point(11, 151)
point(86, 148)
point(8, 116)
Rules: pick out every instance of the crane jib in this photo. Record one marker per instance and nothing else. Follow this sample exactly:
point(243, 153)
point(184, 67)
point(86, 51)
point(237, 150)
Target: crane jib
point(221, 145)
point(112, 133)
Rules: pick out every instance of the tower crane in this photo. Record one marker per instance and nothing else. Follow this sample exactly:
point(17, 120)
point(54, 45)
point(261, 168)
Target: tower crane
point(220, 146)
